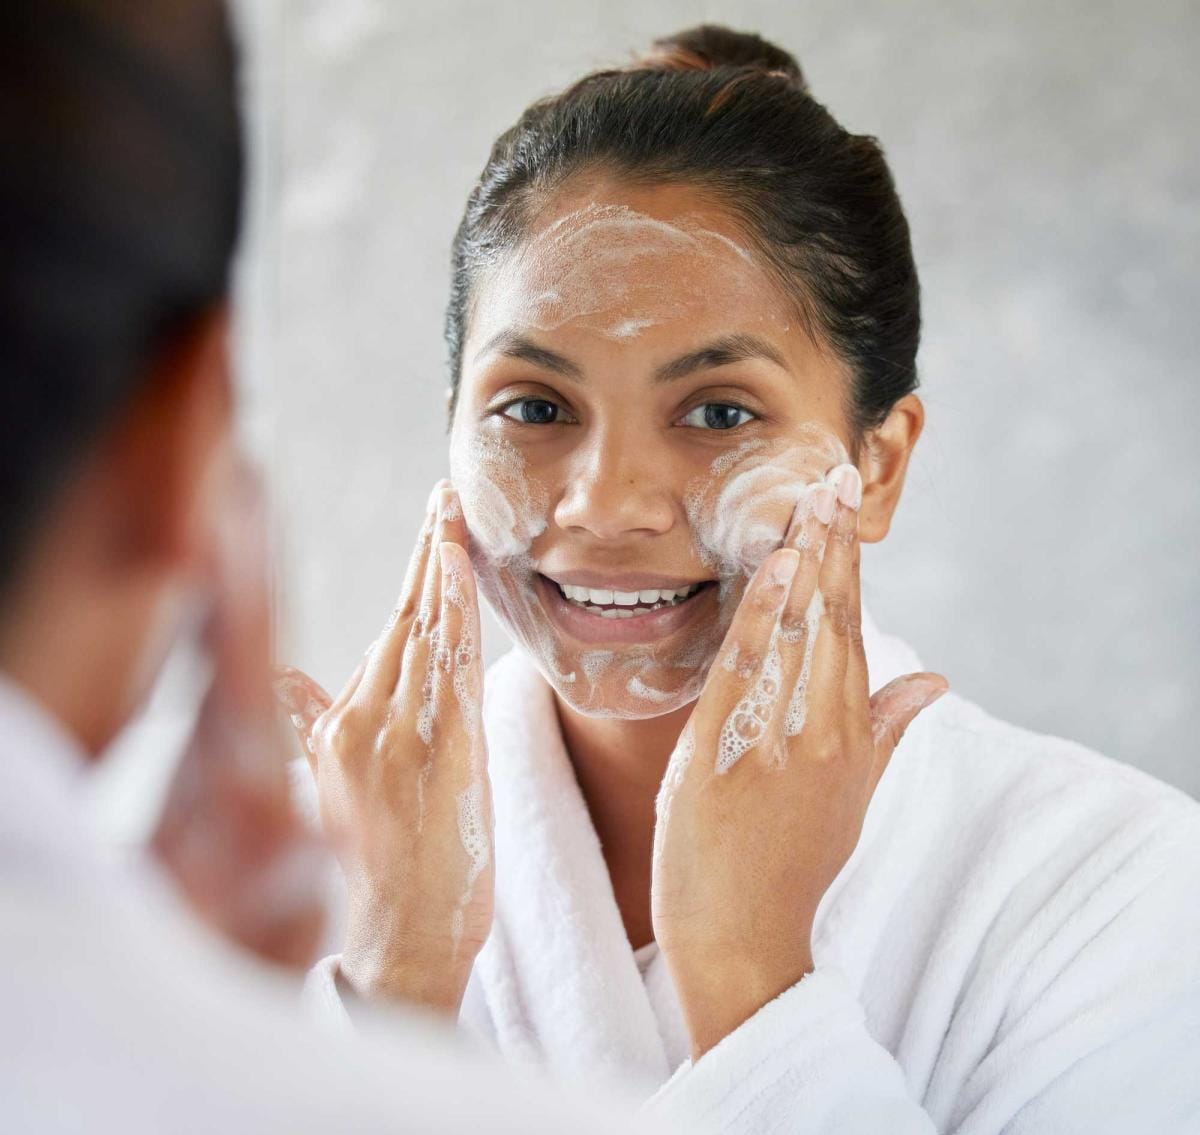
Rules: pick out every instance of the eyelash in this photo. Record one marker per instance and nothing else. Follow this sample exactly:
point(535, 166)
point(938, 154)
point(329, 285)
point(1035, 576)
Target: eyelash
point(503, 411)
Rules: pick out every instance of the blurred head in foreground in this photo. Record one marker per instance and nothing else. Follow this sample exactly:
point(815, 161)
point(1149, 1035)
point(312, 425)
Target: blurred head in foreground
point(125, 515)
point(119, 208)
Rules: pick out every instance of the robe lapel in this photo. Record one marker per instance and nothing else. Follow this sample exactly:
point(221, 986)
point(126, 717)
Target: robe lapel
point(558, 973)
point(561, 985)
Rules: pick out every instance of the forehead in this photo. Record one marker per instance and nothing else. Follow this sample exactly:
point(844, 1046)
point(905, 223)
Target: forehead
point(619, 261)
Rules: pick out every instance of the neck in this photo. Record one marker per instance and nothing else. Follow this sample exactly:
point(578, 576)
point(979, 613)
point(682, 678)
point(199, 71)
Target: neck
point(619, 765)
point(87, 657)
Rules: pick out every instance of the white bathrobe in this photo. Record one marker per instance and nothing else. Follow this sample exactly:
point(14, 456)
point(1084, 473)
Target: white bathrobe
point(117, 1014)
point(1014, 945)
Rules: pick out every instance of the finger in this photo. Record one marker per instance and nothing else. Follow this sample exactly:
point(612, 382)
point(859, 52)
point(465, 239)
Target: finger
point(304, 701)
point(742, 688)
point(459, 634)
point(454, 523)
point(413, 579)
point(428, 608)
point(414, 576)
point(856, 690)
point(416, 691)
point(840, 623)
point(801, 613)
point(383, 665)
point(348, 690)
point(893, 709)
point(454, 620)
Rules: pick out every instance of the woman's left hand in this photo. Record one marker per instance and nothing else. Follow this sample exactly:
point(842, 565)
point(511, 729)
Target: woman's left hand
point(765, 796)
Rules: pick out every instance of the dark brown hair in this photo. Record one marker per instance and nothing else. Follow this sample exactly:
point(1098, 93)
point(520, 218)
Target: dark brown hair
point(120, 194)
point(731, 114)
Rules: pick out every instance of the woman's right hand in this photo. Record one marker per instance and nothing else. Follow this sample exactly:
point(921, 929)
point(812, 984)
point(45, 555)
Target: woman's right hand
point(400, 762)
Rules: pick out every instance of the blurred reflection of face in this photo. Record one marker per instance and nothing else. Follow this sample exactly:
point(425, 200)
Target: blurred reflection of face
point(640, 411)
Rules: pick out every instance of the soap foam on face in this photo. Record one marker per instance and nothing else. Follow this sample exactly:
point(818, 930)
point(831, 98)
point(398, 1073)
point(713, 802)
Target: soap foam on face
point(616, 272)
point(739, 512)
point(633, 681)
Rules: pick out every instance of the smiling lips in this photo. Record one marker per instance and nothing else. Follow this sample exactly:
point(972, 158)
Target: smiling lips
point(598, 613)
point(612, 604)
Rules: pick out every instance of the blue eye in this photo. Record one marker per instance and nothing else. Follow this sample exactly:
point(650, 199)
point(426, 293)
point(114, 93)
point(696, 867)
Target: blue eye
point(717, 416)
point(532, 411)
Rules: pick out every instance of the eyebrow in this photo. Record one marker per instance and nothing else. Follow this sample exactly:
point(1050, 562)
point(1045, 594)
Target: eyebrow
point(720, 352)
point(513, 346)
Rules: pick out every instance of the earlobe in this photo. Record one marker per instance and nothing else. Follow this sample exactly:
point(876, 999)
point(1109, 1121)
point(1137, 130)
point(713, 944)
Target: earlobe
point(886, 452)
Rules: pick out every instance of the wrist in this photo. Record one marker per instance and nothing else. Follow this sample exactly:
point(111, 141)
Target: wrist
point(384, 958)
point(718, 997)
point(430, 983)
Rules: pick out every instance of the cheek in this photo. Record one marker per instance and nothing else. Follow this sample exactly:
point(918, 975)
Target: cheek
point(505, 509)
point(742, 512)
point(751, 513)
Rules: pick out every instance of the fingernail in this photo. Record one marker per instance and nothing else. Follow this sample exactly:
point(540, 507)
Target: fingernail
point(934, 697)
point(443, 500)
point(783, 567)
point(847, 480)
point(822, 500)
point(287, 692)
point(431, 503)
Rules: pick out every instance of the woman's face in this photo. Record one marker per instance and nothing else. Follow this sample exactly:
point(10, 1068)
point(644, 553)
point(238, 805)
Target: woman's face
point(640, 412)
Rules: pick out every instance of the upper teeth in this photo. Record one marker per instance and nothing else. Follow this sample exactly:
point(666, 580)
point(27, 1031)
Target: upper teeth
point(602, 597)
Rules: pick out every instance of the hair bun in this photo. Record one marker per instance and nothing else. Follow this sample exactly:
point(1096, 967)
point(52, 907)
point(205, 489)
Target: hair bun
point(710, 45)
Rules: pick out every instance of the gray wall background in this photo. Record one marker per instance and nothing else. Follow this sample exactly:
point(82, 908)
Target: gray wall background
point(1044, 556)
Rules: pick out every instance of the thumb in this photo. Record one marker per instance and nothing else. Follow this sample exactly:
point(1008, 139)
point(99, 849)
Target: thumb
point(894, 707)
point(304, 701)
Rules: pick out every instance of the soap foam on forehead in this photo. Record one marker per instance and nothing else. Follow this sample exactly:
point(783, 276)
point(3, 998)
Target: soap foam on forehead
point(600, 265)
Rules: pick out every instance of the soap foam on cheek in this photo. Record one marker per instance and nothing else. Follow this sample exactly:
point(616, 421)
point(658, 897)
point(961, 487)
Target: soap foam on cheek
point(739, 514)
point(505, 511)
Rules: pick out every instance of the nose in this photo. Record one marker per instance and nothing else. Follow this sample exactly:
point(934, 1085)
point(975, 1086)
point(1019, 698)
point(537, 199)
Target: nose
point(616, 487)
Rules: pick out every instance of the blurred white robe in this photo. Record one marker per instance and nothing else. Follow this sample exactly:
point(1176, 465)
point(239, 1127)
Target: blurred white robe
point(118, 1014)
point(1014, 945)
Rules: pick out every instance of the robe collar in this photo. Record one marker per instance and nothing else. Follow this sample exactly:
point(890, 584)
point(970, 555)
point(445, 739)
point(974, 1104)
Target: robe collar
point(558, 973)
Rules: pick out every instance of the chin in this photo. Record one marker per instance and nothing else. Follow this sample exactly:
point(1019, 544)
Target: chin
point(622, 685)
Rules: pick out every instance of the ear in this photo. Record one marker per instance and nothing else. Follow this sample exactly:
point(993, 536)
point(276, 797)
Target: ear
point(884, 463)
point(171, 454)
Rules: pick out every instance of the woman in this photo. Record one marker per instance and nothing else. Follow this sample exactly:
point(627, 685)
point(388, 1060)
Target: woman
point(683, 329)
